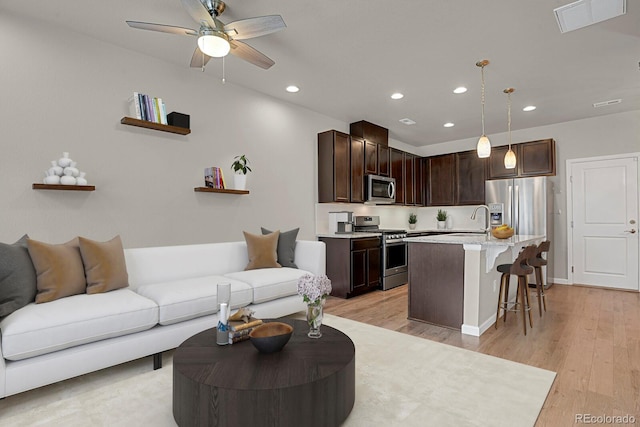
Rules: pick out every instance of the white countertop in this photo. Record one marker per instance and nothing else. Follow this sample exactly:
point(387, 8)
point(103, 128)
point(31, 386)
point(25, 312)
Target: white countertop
point(446, 230)
point(474, 239)
point(354, 235)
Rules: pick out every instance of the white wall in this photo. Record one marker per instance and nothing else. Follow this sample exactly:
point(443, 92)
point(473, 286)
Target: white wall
point(600, 136)
point(68, 92)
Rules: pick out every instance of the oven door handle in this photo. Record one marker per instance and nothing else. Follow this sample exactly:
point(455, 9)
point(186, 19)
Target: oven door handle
point(394, 242)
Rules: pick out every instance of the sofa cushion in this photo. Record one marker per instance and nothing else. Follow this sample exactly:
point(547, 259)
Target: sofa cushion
point(104, 265)
point(80, 319)
point(262, 250)
point(59, 269)
point(270, 283)
point(180, 300)
point(17, 277)
point(286, 246)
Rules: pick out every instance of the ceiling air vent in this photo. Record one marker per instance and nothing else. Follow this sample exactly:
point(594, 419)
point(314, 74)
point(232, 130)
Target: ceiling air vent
point(605, 103)
point(407, 121)
point(586, 12)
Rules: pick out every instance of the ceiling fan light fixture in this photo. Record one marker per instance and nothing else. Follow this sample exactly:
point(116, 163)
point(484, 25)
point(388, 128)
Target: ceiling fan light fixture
point(213, 43)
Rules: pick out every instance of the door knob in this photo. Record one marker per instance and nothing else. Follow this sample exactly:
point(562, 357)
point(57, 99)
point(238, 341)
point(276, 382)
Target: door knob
point(632, 231)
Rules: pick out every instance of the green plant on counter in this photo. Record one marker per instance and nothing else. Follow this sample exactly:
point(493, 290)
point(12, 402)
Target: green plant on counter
point(442, 215)
point(241, 164)
point(413, 218)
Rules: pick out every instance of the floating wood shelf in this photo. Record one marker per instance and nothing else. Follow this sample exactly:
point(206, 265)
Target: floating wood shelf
point(219, 190)
point(64, 187)
point(156, 126)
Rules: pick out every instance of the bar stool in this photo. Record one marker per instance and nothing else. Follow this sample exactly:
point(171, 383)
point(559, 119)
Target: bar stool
point(521, 269)
point(537, 262)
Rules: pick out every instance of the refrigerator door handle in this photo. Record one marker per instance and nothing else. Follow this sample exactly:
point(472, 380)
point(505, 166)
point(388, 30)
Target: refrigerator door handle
point(510, 205)
point(516, 217)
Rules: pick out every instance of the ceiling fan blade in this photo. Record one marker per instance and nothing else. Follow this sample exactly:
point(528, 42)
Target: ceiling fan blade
point(246, 52)
point(254, 27)
point(198, 12)
point(199, 59)
point(162, 28)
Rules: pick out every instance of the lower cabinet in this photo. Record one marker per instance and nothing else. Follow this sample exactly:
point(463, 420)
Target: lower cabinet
point(353, 265)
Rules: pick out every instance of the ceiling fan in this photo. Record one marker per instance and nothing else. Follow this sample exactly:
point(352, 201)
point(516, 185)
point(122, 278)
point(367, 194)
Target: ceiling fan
point(216, 39)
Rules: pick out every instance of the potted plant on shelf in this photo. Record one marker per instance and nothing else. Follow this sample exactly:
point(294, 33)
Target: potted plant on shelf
point(442, 218)
point(240, 168)
point(413, 219)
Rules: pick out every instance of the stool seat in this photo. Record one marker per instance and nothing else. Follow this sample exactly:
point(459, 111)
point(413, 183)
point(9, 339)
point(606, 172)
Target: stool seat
point(537, 262)
point(521, 269)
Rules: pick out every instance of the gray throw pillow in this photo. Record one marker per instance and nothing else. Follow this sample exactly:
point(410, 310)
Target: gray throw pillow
point(286, 246)
point(17, 277)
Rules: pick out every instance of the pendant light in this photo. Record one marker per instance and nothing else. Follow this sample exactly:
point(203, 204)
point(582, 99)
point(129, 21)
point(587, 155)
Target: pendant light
point(510, 157)
point(484, 145)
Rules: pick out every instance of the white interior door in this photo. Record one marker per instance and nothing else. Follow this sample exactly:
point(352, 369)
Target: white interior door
point(605, 228)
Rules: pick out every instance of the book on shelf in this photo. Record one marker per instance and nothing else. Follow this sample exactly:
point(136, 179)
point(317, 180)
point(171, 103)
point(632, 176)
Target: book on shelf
point(213, 178)
point(134, 106)
point(145, 107)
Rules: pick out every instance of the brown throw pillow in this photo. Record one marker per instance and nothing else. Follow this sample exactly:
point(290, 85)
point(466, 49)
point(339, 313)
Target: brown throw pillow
point(59, 270)
point(104, 265)
point(262, 250)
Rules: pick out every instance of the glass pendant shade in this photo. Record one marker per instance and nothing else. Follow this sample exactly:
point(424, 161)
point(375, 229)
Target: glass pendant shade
point(213, 45)
point(510, 159)
point(484, 147)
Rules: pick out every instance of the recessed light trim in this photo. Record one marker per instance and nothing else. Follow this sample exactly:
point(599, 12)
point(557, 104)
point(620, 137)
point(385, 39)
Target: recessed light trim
point(449, 125)
point(293, 89)
point(529, 108)
point(459, 90)
point(397, 95)
point(407, 121)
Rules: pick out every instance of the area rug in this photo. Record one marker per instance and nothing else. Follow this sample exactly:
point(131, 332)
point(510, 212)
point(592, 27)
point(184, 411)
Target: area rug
point(401, 380)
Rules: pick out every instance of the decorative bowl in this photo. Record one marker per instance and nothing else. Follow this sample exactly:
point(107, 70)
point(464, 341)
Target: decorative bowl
point(503, 233)
point(271, 337)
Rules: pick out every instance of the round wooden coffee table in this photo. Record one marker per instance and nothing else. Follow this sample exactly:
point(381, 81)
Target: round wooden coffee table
point(311, 382)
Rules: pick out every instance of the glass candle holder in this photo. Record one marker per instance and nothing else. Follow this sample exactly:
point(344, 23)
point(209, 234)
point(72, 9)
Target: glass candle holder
point(224, 300)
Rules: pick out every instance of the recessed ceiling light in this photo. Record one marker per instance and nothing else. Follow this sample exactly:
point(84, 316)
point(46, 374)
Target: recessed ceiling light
point(293, 89)
point(407, 121)
point(529, 108)
point(449, 125)
point(397, 95)
point(460, 89)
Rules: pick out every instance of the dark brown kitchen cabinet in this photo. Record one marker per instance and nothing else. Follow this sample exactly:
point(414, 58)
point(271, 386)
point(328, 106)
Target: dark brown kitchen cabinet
point(421, 181)
point(334, 167)
point(370, 132)
point(441, 180)
point(537, 158)
point(470, 177)
point(370, 158)
point(534, 158)
point(383, 160)
point(397, 172)
point(357, 169)
point(409, 179)
point(353, 265)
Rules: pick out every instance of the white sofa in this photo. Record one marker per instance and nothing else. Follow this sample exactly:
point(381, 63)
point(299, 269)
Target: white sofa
point(171, 296)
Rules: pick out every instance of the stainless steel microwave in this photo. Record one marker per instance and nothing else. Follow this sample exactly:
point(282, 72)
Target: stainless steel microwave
point(380, 190)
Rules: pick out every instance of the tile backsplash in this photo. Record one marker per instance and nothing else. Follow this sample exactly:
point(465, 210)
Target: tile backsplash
point(398, 216)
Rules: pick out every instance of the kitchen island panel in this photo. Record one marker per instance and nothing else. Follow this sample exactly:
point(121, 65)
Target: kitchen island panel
point(436, 284)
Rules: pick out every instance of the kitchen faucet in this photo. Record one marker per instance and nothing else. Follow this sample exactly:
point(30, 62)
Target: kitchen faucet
point(487, 228)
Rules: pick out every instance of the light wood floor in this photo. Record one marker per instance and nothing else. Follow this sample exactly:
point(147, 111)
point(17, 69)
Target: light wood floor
point(590, 337)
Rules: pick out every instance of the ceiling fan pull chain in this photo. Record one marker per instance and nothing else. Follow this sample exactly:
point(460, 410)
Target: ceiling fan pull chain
point(223, 79)
point(203, 62)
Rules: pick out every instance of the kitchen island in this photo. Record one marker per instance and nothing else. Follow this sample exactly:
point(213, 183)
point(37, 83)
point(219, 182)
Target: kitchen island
point(453, 281)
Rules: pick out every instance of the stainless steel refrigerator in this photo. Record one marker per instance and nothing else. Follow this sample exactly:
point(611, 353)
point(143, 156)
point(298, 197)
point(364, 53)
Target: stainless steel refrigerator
point(527, 206)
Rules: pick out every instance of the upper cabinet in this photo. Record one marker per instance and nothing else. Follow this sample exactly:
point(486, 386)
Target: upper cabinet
point(441, 180)
point(409, 179)
point(397, 172)
point(383, 160)
point(470, 176)
point(358, 160)
point(370, 158)
point(534, 158)
point(334, 167)
point(370, 132)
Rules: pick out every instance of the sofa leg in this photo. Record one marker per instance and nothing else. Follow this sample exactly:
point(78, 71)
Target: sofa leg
point(157, 361)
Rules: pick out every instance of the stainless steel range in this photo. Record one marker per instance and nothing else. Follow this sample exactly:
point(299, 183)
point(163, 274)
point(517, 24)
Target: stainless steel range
point(395, 270)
